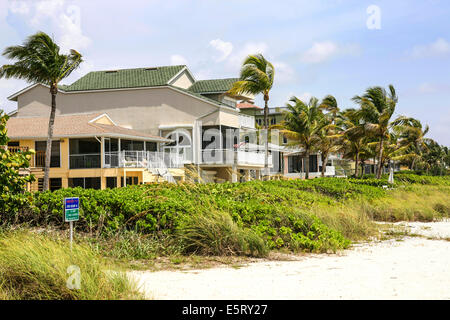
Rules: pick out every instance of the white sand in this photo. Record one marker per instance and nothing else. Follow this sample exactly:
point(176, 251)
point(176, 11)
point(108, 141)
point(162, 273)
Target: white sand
point(414, 268)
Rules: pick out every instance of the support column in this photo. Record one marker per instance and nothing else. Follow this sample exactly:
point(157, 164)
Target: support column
point(247, 175)
point(234, 174)
point(258, 174)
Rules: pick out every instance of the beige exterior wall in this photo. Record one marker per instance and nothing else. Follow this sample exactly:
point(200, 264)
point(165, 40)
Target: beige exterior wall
point(143, 109)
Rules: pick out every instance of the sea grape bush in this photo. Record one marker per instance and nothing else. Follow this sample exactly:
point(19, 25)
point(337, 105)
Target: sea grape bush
point(279, 212)
point(13, 195)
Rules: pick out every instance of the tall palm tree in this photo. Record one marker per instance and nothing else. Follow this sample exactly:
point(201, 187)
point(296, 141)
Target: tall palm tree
point(330, 138)
point(413, 133)
point(329, 103)
point(38, 60)
point(257, 75)
point(302, 125)
point(377, 109)
point(354, 136)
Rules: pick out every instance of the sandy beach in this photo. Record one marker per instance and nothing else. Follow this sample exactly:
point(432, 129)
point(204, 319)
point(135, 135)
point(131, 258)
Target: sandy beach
point(410, 268)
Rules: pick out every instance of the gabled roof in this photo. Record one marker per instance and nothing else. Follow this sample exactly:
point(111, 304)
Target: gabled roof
point(73, 125)
point(213, 85)
point(125, 78)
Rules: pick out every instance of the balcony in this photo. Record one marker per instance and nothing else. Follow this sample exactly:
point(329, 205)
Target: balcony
point(37, 161)
point(142, 159)
point(230, 157)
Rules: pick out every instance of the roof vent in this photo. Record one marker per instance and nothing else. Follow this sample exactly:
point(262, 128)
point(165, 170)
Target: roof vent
point(111, 71)
point(149, 69)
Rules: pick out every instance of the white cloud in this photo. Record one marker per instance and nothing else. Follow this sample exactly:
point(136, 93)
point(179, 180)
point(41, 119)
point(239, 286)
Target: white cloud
point(177, 59)
point(305, 97)
point(235, 60)
point(46, 8)
point(439, 48)
point(63, 20)
point(72, 36)
point(225, 48)
point(20, 7)
point(327, 50)
point(283, 72)
point(427, 88)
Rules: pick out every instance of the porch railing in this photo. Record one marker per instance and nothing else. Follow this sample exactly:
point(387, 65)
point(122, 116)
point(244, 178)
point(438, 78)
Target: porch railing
point(142, 159)
point(229, 156)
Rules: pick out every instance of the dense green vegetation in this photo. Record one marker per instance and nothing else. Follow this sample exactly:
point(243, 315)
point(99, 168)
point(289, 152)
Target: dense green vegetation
point(12, 183)
point(318, 215)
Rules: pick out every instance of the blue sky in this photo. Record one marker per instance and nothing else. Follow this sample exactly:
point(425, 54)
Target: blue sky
point(318, 47)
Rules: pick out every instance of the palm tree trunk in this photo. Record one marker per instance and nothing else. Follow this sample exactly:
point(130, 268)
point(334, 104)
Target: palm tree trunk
point(380, 157)
point(413, 163)
point(324, 163)
point(266, 126)
point(307, 164)
point(48, 150)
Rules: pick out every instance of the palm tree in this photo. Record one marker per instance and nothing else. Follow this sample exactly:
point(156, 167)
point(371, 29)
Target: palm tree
point(330, 138)
point(39, 60)
point(413, 134)
point(330, 104)
point(377, 108)
point(354, 136)
point(302, 125)
point(257, 75)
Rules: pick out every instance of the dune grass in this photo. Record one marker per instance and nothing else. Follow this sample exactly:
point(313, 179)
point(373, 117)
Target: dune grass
point(410, 203)
point(38, 267)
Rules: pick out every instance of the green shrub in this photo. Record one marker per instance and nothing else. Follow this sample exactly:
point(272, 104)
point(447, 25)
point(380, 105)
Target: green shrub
point(217, 234)
point(13, 195)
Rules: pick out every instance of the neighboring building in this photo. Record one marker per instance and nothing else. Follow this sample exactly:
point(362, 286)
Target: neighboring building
point(289, 161)
point(152, 118)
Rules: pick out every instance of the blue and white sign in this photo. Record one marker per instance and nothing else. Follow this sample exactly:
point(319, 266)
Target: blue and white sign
point(71, 209)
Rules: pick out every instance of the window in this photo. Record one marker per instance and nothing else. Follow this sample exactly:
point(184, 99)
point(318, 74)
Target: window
point(13, 144)
point(86, 183)
point(55, 160)
point(272, 121)
point(130, 181)
point(182, 145)
point(129, 145)
point(111, 182)
point(84, 153)
point(229, 103)
point(55, 184)
point(151, 146)
point(285, 140)
point(294, 164)
point(313, 163)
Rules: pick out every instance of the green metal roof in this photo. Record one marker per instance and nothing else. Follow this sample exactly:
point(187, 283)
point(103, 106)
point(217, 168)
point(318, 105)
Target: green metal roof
point(125, 78)
point(201, 96)
point(213, 85)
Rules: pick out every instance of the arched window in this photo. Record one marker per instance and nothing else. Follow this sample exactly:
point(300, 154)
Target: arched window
point(181, 145)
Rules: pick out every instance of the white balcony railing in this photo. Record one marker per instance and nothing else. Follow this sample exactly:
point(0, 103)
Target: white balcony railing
point(142, 159)
point(229, 157)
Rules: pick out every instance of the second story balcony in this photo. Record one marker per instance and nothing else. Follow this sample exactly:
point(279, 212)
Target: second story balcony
point(238, 157)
